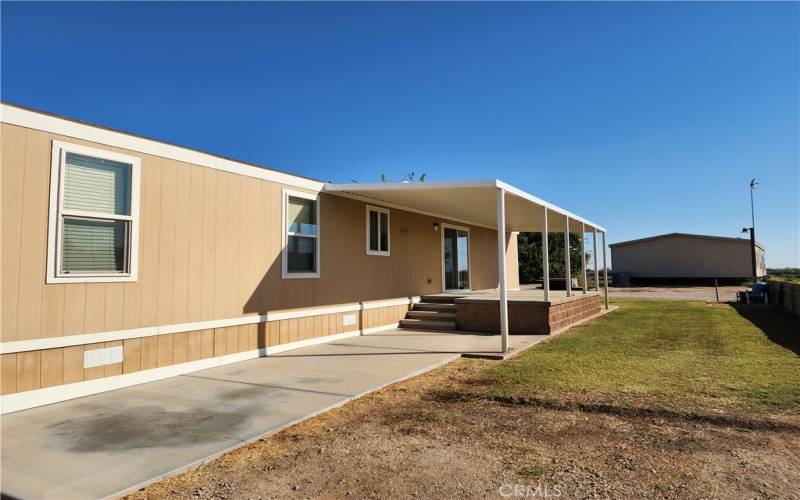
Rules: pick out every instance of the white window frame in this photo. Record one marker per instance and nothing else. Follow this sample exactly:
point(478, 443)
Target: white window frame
point(285, 274)
point(57, 213)
point(386, 211)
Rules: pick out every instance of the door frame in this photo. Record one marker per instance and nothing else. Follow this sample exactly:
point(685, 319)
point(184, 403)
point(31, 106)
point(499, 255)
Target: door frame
point(442, 226)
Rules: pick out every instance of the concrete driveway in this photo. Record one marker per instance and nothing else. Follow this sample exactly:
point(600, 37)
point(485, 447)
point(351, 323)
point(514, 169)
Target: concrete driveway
point(113, 442)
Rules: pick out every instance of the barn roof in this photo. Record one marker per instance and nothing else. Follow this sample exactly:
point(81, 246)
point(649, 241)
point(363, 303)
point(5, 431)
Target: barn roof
point(683, 235)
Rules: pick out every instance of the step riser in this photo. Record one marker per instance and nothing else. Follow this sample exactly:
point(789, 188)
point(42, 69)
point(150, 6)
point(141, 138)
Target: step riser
point(435, 307)
point(438, 300)
point(431, 315)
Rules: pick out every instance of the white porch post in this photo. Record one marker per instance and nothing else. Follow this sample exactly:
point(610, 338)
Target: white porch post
point(567, 264)
point(545, 257)
point(594, 258)
point(583, 255)
point(605, 270)
point(501, 268)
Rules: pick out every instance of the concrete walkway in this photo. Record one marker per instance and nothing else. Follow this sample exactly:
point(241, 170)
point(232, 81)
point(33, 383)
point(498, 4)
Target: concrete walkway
point(113, 442)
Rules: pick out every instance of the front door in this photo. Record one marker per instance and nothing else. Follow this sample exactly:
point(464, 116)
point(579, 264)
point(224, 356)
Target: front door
point(455, 254)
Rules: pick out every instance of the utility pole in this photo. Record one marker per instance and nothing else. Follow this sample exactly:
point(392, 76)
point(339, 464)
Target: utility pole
point(753, 184)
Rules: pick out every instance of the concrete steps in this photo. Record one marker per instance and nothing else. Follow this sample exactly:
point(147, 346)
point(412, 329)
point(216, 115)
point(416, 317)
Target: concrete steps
point(434, 312)
point(441, 307)
point(432, 315)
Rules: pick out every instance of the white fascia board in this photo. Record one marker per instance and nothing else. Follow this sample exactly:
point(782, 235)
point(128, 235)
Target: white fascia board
point(38, 121)
point(407, 186)
point(538, 201)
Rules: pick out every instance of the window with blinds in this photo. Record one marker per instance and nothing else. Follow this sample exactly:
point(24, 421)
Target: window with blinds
point(97, 185)
point(377, 231)
point(95, 216)
point(301, 248)
point(96, 192)
point(94, 246)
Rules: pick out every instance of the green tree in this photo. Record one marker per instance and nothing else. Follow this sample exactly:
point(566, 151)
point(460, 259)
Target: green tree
point(530, 256)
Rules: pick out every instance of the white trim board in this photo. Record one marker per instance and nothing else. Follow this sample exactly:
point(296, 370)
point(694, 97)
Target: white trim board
point(382, 328)
point(38, 121)
point(301, 313)
point(10, 403)
point(390, 303)
point(93, 338)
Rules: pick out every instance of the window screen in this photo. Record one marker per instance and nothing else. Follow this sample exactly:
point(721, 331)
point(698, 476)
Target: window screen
point(97, 185)
point(94, 245)
point(95, 216)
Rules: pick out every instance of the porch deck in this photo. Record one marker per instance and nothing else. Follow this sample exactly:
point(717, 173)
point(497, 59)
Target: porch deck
point(526, 295)
point(528, 311)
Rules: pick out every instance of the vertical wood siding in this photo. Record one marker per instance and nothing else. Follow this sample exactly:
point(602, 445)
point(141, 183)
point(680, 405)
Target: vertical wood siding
point(210, 248)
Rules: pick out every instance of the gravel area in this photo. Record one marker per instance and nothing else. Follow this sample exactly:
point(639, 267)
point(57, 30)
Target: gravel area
point(726, 293)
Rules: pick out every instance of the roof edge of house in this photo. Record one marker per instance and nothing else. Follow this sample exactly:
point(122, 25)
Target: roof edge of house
point(682, 235)
point(160, 141)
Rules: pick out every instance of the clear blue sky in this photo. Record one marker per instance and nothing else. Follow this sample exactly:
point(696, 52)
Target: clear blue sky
point(645, 117)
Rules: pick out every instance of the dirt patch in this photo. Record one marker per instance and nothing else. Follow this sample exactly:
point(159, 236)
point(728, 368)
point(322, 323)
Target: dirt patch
point(409, 441)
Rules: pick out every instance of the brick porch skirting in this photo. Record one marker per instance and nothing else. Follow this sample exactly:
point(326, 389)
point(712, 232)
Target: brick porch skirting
point(525, 317)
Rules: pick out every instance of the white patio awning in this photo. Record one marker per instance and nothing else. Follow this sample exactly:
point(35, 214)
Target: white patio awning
point(490, 204)
point(471, 202)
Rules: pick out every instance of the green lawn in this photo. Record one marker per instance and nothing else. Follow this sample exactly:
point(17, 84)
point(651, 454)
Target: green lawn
point(684, 356)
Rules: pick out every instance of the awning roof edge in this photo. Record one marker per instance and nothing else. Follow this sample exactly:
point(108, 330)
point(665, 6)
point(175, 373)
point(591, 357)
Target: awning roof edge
point(525, 195)
point(365, 189)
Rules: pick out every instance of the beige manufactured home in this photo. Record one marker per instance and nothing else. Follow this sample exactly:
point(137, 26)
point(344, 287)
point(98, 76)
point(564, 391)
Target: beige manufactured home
point(680, 256)
point(126, 259)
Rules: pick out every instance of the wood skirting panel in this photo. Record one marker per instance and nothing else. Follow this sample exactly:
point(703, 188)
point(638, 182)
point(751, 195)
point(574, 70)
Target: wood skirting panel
point(372, 318)
point(25, 371)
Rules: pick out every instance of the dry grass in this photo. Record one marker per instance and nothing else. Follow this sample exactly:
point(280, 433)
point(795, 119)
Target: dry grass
point(677, 356)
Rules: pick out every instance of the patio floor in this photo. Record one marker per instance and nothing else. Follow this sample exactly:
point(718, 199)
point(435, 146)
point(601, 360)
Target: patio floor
point(113, 442)
point(523, 295)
